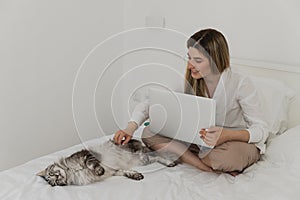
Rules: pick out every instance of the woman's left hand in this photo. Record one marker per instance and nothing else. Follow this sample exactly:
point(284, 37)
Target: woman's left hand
point(213, 136)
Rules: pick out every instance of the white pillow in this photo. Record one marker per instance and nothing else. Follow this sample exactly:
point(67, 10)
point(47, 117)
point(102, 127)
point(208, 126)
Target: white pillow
point(285, 148)
point(276, 97)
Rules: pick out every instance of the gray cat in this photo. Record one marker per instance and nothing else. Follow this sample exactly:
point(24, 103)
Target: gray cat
point(103, 161)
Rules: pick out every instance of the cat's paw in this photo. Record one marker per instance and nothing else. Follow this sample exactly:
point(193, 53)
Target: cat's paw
point(135, 176)
point(171, 164)
point(99, 171)
point(168, 163)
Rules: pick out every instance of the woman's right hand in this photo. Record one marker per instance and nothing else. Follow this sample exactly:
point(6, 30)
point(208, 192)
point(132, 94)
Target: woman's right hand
point(121, 137)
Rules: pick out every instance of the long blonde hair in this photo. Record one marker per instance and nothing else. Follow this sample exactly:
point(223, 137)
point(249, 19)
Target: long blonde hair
point(213, 45)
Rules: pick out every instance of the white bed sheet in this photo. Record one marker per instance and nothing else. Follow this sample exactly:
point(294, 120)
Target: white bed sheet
point(274, 177)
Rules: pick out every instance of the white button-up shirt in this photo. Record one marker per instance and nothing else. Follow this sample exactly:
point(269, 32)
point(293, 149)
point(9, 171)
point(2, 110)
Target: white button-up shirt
point(238, 106)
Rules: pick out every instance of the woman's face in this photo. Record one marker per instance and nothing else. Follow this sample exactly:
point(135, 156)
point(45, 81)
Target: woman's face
point(198, 63)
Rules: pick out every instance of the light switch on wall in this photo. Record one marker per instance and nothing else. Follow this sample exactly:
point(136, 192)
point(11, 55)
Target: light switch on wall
point(155, 21)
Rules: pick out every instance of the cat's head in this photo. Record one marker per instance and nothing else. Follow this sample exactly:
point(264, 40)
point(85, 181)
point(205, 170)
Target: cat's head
point(55, 175)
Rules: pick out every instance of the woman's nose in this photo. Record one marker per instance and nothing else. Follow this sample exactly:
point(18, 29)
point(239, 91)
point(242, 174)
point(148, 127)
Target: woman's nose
point(190, 65)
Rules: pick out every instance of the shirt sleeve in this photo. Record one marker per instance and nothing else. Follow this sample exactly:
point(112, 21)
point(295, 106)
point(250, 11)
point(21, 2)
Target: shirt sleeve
point(252, 104)
point(140, 112)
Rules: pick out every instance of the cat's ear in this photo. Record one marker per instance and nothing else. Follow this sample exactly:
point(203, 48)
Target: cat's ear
point(42, 173)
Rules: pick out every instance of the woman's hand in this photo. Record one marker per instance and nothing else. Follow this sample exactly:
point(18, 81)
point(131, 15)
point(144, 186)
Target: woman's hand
point(213, 136)
point(121, 137)
point(124, 136)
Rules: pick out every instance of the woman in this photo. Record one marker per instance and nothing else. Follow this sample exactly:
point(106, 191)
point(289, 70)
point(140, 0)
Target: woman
point(241, 132)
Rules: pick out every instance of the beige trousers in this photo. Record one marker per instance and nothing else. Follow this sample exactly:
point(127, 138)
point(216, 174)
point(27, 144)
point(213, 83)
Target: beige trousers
point(227, 157)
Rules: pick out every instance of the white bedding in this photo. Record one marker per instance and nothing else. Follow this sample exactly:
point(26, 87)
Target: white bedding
point(274, 177)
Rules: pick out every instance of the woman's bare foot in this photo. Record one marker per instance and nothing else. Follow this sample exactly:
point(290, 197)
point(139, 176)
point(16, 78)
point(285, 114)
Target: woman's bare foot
point(204, 167)
point(234, 173)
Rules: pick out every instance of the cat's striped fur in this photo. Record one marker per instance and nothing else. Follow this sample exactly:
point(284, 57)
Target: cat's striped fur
point(103, 161)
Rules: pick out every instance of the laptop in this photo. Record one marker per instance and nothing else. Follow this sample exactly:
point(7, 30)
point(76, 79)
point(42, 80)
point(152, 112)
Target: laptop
point(180, 116)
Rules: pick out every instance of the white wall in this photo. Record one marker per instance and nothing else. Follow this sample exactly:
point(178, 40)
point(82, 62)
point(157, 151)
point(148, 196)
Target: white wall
point(42, 46)
point(261, 30)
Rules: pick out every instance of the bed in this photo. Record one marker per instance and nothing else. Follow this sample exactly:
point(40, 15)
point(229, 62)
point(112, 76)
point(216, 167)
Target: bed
point(275, 176)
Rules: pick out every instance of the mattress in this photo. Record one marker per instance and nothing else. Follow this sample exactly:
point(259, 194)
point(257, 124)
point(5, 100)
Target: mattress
point(275, 176)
